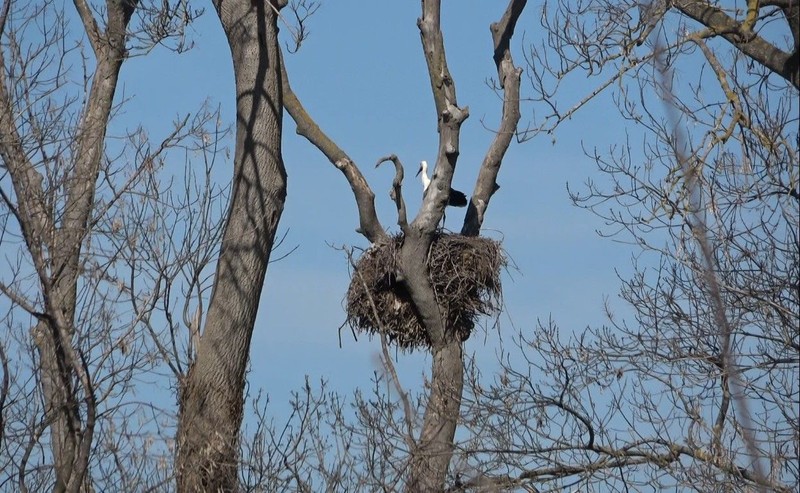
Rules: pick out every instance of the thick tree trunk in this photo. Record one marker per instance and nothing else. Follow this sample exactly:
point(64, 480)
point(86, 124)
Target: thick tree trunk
point(61, 405)
point(430, 460)
point(212, 393)
point(430, 464)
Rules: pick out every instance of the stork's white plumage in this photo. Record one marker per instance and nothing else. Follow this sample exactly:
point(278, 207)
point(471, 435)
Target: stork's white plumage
point(455, 199)
point(423, 175)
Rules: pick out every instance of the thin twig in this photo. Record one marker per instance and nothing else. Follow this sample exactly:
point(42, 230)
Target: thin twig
point(700, 232)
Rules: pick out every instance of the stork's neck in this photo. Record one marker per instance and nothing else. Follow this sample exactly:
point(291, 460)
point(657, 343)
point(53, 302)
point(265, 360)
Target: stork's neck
point(424, 176)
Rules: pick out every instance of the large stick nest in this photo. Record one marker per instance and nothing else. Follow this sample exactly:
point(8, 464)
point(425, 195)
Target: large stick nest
point(465, 275)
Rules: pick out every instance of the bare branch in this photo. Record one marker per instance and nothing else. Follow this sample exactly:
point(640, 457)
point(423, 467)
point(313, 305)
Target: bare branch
point(396, 193)
point(724, 331)
point(449, 118)
point(370, 226)
point(89, 25)
point(509, 77)
point(4, 385)
point(742, 37)
point(4, 9)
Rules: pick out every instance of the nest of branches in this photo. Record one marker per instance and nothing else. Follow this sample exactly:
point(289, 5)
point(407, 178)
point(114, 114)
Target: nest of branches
point(465, 275)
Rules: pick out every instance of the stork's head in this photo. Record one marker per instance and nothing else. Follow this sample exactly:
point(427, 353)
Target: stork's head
point(423, 166)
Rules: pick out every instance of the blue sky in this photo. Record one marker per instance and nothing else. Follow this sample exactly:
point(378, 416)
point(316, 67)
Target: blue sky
point(362, 76)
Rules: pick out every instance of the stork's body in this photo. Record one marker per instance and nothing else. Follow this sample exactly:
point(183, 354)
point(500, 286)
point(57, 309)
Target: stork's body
point(455, 198)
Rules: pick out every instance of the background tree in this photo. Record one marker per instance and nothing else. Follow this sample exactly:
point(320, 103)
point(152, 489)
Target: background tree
point(698, 390)
point(212, 393)
point(65, 198)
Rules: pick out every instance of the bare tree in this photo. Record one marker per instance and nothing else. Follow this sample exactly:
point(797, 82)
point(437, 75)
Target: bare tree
point(212, 393)
point(114, 270)
point(63, 188)
point(430, 453)
point(699, 389)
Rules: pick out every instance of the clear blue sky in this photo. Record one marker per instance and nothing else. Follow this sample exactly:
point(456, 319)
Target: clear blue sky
point(362, 76)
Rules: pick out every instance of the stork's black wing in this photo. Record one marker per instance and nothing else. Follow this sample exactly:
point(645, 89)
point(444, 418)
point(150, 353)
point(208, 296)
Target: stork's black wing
point(457, 199)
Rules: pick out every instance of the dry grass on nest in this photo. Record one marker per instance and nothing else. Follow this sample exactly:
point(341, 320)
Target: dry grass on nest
point(465, 274)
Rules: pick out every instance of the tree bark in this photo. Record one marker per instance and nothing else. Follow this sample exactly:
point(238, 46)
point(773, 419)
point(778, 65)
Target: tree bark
point(430, 460)
point(211, 400)
point(508, 75)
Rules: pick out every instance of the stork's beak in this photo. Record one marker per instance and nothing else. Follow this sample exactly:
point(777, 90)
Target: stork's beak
point(419, 171)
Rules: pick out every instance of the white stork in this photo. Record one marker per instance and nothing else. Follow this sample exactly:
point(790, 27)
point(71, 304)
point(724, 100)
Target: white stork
point(455, 199)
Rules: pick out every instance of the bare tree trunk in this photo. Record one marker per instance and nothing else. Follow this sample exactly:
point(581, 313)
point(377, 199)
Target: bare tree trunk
point(432, 453)
point(430, 464)
point(60, 403)
point(55, 244)
point(430, 460)
point(212, 392)
point(53, 339)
